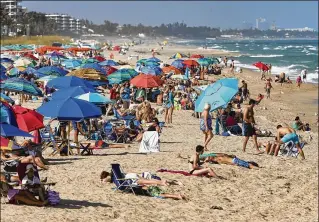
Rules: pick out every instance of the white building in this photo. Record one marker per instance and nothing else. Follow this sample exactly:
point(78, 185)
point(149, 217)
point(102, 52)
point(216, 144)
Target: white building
point(65, 22)
point(305, 29)
point(13, 9)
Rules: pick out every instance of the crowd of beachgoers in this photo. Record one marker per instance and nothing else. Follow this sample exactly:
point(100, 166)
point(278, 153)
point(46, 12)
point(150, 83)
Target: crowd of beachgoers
point(74, 102)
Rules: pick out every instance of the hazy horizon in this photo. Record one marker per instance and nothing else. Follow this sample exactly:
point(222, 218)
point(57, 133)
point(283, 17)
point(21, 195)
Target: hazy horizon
point(214, 14)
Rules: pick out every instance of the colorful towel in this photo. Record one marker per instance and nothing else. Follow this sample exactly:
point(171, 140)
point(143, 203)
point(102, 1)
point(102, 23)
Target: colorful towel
point(185, 173)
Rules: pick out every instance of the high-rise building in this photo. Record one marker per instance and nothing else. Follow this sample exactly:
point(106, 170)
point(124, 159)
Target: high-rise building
point(13, 9)
point(65, 22)
point(262, 24)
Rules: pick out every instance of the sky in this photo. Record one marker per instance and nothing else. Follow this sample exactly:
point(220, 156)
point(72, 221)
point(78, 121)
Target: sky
point(223, 14)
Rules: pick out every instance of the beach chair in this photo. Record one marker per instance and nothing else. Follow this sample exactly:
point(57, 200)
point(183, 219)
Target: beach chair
point(127, 119)
point(289, 149)
point(113, 131)
point(122, 183)
point(150, 142)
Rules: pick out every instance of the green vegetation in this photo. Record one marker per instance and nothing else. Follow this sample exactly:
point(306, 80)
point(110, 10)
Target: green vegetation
point(38, 40)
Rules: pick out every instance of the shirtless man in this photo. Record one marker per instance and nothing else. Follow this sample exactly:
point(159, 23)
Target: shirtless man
point(287, 134)
point(248, 125)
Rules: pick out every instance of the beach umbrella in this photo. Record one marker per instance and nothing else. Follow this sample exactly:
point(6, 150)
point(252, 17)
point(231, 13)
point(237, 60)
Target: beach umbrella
point(178, 63)
point(7, 114)
point(196, 56)
point(152, 70)
point(94, 66)
point(89, 74)
point(154, 59)
point(131, 72)
point(22, 62)
point(71, 92)
point(69, 109)
point(5, 98)
point(109, 69)
point(6, 144)
point(30, 56)
point(90, 60)
point(56, 55)
point(13, 72)
point(28, 120)
point(126, 67)
point(217, 94)
point(67, 82)
point(190, 62)
point(214, 60)
point(178, 56)
point(204, 61)
point(52, 70)
point(29, 71)
point(95, 98)
point(146, 81)
point(261, 66)
point(122, 76)
point(10, 130)
point(171, 69)
point(71, 63)
point(6, 60)
point(147, 62)
point(46, 78)
point(108, 63)
point(21, 85)
point(99, 58)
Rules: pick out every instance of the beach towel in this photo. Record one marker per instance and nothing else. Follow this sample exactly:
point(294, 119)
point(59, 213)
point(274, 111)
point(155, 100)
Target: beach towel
point(185, 173)
point(150, 142)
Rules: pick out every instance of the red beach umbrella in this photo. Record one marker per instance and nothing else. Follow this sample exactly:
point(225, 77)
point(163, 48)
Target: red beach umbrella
point(99, 58)
point(261, 66)
point(190, 62)
point(109, 69)
point(28, 120)
point(146, 81)
point(197, 56)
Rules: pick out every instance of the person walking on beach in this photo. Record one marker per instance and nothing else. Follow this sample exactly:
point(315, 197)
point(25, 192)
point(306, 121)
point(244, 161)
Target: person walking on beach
point(304, 75)
point(268, 88)
point(287, 134)
point(298, 81)
point(206, 125)
point(244, 88)
point(232, 66)
point(248, 126)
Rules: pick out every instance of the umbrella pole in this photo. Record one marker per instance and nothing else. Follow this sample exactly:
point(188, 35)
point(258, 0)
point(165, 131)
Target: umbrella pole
point(69, 131)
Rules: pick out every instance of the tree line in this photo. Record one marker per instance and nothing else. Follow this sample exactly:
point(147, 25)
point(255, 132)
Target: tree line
point(39, 24)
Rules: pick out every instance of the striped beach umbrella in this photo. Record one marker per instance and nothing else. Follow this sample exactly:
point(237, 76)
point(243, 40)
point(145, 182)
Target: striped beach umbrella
point(21, 85)
point(178, 56)
point(94, 66)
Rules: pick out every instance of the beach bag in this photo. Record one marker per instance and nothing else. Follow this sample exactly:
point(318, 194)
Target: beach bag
point(53, 198)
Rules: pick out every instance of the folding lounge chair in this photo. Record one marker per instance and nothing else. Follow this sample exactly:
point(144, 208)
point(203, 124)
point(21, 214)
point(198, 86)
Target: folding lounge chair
point(289, 149)
point(126, 118)
point(122, 184)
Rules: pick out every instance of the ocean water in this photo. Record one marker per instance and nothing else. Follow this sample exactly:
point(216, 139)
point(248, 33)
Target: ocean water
point(289, 56)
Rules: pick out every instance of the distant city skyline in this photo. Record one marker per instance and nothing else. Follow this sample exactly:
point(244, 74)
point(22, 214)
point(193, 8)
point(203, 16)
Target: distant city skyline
point(297, 14)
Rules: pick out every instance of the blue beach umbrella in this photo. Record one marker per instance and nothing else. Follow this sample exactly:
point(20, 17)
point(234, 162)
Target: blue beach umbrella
point(68, 81)
point(6, 98)
point(131, 72)
point(95, 98)
point(69, 109)
point(52, 70)
point(21, 85)
point(29, 71)
point(152, 70)
point(204, 61)
point(10, 130)
point(46, 78)
point(7, 114)
point(6, 60)
point(94, 66)
point(71, 92)
point(71, 64)
point(154, 59)
point(178, 63)
point(217, 94)
point(108, 63)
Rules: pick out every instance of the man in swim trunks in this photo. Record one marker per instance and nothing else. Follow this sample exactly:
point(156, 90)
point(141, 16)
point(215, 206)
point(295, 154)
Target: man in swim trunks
point(287, 134)
point(248, 125)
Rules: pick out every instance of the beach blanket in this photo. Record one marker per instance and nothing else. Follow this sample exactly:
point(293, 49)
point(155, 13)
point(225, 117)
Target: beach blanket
point(150, 142)
point(185, 173)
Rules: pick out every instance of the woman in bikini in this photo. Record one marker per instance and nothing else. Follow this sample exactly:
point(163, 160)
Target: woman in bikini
point(206, 125)
point(195, 167)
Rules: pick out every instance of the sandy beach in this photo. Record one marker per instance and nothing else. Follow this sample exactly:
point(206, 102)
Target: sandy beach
point(283, 189)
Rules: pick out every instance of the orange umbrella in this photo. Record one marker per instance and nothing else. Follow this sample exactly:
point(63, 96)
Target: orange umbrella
point(169, 69)
point(190, 62)
point(146, 81)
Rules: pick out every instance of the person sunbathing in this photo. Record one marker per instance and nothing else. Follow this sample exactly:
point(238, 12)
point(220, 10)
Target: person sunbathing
point(222, 158)
point(150, 185)
point(195, 164)
point(16, 196)
point(5, 156)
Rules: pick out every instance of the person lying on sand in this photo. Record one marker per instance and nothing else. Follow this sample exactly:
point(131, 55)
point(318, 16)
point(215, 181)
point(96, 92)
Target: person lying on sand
point(150, 185)
point(222, 158)
point(194, 164)
point(287, 134)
